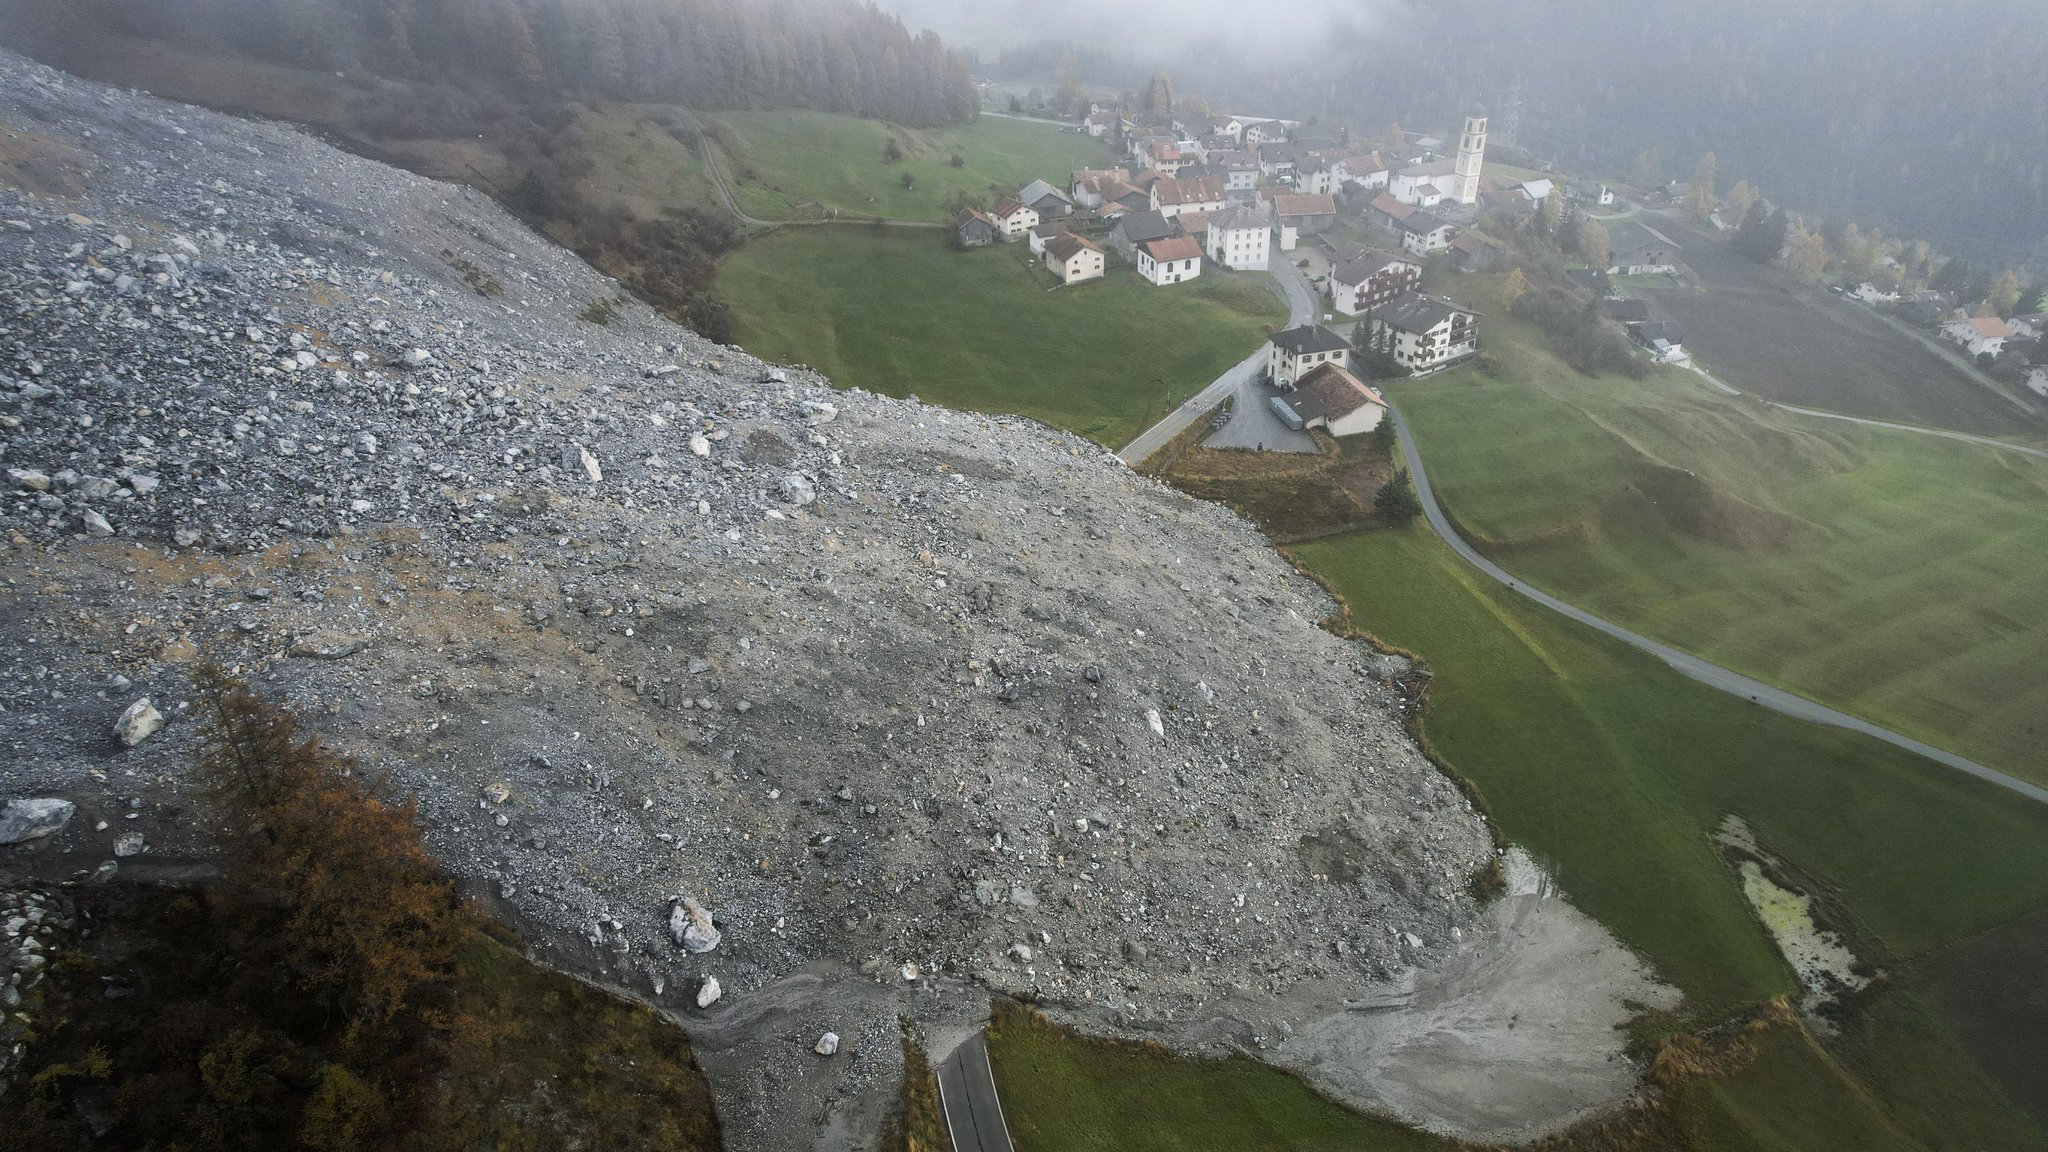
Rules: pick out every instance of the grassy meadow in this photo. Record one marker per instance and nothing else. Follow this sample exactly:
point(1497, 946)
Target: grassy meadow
point(1893, 575)
point(901, 311)
point(793, 165)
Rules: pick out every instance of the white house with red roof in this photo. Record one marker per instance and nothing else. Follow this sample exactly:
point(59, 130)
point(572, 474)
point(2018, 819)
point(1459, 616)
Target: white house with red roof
point(1979, 334)
point(1170, 261)
point(1014, 220)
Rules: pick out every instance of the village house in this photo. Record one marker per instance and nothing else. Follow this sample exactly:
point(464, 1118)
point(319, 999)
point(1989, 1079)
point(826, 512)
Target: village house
point(1265, 132)
point(1241, 239)
point(1319, 175)
point(1640, 250)
point(1367, 169)
point(1388, 212)
point(2030, 327)
point(1170, 198)
point(1661, 340)
point(1074, 258)
point(1168, 157)
point(1332, 398)
point(1102, 123)
point(1240, 170)
point(1298, 216)
point(1044, 233)
point(974, 229)
point(1422, 234)
point(1370, 278)
point(1979, 334)
point(1086, 187)
point(1049, 202)
point(1196, 225)
point(1170, 261)
point(1013, 220)
point(1292, 354)
point(1423, 185)
point(2037, 378)
point(1138, 228)
point(1596, 194)
point(1424, 334)
point(1231, 126)
point(1471, 252)
point(1277, 162)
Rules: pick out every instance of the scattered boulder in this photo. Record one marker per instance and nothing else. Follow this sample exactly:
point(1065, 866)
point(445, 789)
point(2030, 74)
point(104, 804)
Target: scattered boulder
point(138, 723)
point(709, 992)
point(827, 1044)
point(690, 925)
point(798, 489)
point(34, 819)
point(128, 844)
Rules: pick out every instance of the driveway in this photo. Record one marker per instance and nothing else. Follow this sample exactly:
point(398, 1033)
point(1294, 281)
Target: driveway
point(967, 1093)
point(1254, 423)
point(1684, 663)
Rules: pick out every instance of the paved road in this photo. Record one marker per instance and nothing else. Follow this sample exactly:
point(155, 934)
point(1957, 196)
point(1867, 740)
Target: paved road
point(1302, 308)
point(1712, 675)
point(967, 1092)
point(1956, 360)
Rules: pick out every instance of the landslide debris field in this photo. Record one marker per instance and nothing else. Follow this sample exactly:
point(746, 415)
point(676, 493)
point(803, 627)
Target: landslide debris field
point(912, 704)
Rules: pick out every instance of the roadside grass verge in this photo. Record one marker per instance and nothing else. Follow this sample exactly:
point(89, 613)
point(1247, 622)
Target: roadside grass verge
point(794, 165)
point(1066, 1093)
point(1614, 771)
point(1893, 575)
point(903, 312)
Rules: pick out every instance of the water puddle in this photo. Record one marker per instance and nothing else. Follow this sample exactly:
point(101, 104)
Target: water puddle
point(1828, 968)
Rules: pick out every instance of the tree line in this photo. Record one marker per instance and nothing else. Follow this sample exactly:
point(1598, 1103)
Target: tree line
point(829, 55)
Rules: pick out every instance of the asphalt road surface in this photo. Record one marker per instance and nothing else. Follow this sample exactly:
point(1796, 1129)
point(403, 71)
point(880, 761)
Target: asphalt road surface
point(1242, 379)
point(1712, 675)
point(967, 1091)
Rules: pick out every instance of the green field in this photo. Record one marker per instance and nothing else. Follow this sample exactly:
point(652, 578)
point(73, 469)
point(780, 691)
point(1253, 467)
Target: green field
point(903, 312)
point(1893, 575)
point(1615, 770)
point(789, 165)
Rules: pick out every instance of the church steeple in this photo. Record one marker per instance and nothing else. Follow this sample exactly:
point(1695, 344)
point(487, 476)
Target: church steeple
point(1471, 157)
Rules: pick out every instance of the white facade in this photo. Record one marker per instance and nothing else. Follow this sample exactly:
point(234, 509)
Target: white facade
point(1471, 158)
point(1014, 223)
point(2037, 378)
point(1284, 368)
point(1978, 336)
point(1240, 240)
point(1085, 263)
point(1177, 268)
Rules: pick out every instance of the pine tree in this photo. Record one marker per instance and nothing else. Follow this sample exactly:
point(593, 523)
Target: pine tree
point(1396, 499)
point(1548, 214)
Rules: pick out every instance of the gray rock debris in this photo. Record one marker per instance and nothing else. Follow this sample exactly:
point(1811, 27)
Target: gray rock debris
point(34, 819)
point(137, 723)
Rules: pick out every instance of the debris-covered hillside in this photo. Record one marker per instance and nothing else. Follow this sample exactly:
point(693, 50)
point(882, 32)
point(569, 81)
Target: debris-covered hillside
point(909, 703)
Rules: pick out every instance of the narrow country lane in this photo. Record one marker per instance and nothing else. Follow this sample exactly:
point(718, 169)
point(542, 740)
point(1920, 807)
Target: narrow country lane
point(1301, 309)
point(1712, 675)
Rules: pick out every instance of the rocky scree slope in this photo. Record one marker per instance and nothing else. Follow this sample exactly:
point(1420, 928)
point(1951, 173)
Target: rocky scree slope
point(910, 701)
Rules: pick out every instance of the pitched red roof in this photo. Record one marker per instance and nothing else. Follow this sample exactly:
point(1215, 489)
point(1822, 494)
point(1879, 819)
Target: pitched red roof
point(1197, 191)
point(1318, 204)
point(1173, 248)
point(1332, 393)
point(1990, 327)
point(1385, 203)
point(1008, 208)
point(1068, 245)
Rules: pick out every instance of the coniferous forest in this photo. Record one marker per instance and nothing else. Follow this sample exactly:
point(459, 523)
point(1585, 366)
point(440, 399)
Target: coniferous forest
point(829, 55)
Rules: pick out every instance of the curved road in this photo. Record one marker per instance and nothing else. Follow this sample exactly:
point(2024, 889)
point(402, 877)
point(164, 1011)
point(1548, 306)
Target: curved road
point(1868, 422)
point(1302, 308)
point(1712, 675)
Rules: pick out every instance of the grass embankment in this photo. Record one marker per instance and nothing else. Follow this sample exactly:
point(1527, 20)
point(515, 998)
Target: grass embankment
point(1615, 771)
point(903, 313)
point(1062, 1093)
point(1893, 575)
point(795, 165)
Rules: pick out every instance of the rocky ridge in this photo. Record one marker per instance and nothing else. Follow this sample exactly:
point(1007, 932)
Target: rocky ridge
point(906, 703)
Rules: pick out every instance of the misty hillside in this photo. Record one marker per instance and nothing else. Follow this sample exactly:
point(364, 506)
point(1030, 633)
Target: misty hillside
point(1926, 120)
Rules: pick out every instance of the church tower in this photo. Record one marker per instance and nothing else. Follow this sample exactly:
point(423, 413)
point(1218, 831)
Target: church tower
point(1471, 157)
